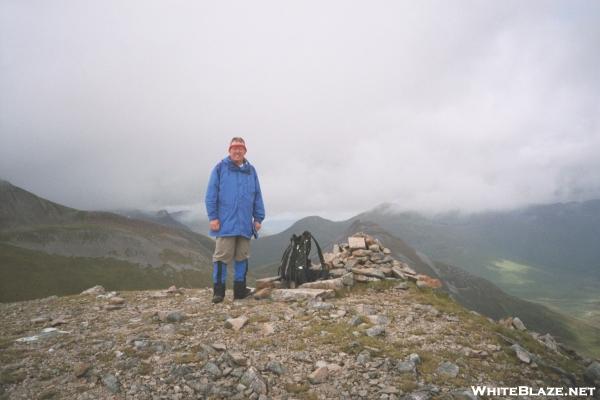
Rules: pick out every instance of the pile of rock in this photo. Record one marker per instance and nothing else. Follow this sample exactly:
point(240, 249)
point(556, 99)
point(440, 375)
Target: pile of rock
point(362, 259)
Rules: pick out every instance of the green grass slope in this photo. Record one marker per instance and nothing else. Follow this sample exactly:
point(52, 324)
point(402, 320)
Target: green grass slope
point(28, 274)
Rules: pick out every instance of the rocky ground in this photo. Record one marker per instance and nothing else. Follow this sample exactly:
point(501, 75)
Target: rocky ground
point(378, 340)
point(376, 330)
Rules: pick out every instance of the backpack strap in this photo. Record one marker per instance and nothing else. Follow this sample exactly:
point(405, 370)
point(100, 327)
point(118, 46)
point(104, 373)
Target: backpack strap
point(309, 236)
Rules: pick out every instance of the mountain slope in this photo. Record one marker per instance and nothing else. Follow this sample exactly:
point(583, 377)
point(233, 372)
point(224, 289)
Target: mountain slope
point(46, 228)
point(545, 253)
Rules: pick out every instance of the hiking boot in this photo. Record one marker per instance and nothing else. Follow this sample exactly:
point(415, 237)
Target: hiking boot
point(240, 291)
point(218, 292)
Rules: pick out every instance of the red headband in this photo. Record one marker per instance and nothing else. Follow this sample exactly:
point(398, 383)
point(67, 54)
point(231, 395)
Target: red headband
point(237, 144)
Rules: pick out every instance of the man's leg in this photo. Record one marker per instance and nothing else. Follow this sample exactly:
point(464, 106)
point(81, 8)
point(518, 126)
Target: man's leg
point(224, 251)
point(242, 253)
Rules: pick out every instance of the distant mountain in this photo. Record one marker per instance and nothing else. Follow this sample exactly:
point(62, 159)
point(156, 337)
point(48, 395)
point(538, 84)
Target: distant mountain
point(46, 248)
point(546, 253)
point(161, 217)
point(19, 208)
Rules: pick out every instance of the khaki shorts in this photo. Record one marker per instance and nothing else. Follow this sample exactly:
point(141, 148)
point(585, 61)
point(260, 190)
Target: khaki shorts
point(230, 247)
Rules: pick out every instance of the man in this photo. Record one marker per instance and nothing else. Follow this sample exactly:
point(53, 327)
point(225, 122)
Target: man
point(235, 210)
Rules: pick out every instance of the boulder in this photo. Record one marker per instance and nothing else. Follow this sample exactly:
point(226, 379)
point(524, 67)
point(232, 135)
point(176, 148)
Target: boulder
point(334, 284)
point(301, 294)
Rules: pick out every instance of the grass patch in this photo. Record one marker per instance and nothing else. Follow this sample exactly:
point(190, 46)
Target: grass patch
point(297, 388)
point(27, 274)
point(10, 376)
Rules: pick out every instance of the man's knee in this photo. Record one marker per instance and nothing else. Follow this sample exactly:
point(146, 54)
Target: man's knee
point(242, 248)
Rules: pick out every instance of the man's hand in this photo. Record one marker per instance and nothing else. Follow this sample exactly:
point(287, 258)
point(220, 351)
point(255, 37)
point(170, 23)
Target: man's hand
point(215, 225)
point(257, 226)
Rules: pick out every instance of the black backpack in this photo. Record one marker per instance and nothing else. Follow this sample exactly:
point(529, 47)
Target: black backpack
point(295, 268)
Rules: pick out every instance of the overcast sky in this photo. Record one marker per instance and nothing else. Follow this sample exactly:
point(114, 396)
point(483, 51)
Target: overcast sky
point(433, 105)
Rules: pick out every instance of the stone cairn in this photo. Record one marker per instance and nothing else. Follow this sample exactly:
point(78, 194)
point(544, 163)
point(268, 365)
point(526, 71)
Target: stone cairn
point(362, 259)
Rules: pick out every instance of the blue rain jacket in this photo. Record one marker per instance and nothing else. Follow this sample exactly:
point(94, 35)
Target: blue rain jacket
point(234, 198)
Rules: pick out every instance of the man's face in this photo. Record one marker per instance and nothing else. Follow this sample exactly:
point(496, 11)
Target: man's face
point(237, 152)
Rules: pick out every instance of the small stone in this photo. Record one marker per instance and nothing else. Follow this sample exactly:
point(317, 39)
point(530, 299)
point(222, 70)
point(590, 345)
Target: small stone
point(356, 242)
point(268, 329)
point(549, 342)
point(414, 357)
point(96, 290)
point(212, 369)
point(319, 375)
point(419, 395)
point(236, 323)
point(592, 373)
point(369, 272)
point(171, 316)
point(397, 273)
point(276, 367)
point(401, 286)
point(448, 369)
point(238, 359)
point(264, 283)
point(405, 367)
point(390, 390)
point(521, 353)
point(168, 329)
point(175, 316)
point(111, 382)
point(116, 300)
point(219, 346)
point(363, 357)
point(377, 330)
point(361, 253)
point(318, 304)
point(517, 323)
point(348, 279)
point(81, 369)
point(378, 319)
point(253, 380)
point(263, 293)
